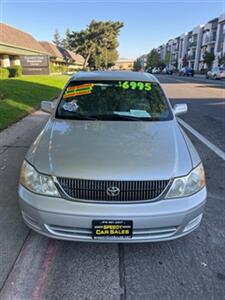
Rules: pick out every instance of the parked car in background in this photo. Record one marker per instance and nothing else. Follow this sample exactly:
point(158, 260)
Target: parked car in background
point(186, 71)
point(156, 71)
point(149, 70)
point(113, 164)
point(168, 71)
point(216, 73)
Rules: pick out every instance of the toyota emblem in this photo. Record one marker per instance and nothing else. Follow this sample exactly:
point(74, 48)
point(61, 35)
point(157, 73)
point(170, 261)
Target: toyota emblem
point(113, 191)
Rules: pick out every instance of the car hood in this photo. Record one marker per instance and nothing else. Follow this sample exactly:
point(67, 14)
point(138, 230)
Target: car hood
point(113, 150)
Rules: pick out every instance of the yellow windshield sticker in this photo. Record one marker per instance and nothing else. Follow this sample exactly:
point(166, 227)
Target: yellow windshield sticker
point(78, 90)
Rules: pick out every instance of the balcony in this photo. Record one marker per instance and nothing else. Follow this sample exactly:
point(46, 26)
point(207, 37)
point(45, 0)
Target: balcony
point(191, 57)
point(208, 40)
point(193, 44)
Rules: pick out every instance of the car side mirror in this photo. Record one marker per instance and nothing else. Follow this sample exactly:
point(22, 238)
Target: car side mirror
point(47, 106)
point(180, 109)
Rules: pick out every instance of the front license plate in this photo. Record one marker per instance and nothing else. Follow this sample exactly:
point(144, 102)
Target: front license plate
point(110, 229)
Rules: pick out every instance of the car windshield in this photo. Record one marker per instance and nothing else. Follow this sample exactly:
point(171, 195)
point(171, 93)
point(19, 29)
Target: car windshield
point(114, 100)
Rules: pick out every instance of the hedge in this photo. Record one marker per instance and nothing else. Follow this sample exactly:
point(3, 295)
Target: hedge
point(58, 69)
point(15, 71)
point(4, 73)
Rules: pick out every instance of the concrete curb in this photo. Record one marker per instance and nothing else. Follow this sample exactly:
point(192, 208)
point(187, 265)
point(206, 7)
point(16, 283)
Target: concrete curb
point(18, 131)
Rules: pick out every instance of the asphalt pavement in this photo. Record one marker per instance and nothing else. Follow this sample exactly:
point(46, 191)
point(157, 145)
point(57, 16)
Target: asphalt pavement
point(193, 267)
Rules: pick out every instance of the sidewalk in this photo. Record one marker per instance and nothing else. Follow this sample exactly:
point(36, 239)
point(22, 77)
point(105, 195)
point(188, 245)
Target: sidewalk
point(14, 143)
point(23, 131)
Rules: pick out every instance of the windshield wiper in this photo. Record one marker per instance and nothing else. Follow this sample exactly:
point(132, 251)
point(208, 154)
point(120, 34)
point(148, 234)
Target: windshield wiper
point(77, 116)
point(124, 117)
point(133, 118)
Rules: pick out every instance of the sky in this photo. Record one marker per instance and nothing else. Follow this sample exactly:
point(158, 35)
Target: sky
point(147, 23)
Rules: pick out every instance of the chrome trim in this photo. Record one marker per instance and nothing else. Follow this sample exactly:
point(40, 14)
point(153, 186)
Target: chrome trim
point(86, 233)
point(64, 195)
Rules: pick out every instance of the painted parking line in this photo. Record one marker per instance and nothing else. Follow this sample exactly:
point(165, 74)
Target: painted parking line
point(216, 103)
point(201, 138)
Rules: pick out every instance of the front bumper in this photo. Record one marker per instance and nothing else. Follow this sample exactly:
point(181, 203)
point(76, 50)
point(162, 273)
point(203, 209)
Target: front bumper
point(72, 220)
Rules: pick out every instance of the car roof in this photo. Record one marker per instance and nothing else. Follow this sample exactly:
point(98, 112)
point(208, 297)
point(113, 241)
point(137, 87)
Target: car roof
point(114, 75)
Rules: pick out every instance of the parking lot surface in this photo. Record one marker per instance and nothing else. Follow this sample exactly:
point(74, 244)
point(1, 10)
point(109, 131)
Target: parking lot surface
point(35, 267)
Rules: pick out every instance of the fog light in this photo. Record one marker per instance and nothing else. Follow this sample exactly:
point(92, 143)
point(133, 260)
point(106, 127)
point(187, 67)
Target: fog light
point(193, 223)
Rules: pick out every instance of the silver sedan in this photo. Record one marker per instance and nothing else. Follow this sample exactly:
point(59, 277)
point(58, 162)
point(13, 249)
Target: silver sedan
point(112, 164)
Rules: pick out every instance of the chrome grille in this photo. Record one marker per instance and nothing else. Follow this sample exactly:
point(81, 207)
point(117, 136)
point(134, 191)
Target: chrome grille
point(96, 189)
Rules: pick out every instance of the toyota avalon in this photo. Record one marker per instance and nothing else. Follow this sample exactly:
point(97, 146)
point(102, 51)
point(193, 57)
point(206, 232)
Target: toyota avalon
point(112, 164)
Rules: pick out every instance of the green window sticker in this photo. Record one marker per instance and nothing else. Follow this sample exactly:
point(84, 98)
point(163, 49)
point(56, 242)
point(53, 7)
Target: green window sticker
point(135, 85)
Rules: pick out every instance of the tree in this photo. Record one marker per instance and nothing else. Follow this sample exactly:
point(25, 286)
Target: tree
point(112, 55)
point(208, 59)
point(168, 58)
point(57, 39)
point(153, 59)
point(66, 40)
point(96, 41)
point(137, 65)
point(222, 61)
point(184, 61)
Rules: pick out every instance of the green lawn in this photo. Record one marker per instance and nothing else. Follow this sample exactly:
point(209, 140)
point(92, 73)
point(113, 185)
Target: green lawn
point(21, 96)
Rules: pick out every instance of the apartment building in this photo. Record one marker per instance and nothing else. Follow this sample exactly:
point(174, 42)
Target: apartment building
point(189, 48)
point(208, 40)
point(194, 47)
point(143, 60)
point(220, 39)
point(162, 52)
point(182, 50)
point(175, 51)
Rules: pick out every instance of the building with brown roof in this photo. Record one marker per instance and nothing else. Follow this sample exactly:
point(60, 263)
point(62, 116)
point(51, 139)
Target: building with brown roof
point(52, 50)
point(60, 57)
point(14, 43)
point(21, 48)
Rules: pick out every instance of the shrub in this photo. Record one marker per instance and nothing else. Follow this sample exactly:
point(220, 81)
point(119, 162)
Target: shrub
point(58, 69)
point(4, 73)
point(15, 71)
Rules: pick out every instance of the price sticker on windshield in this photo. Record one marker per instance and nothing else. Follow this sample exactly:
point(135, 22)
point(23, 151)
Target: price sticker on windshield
point(135, 85)
point(78, 90)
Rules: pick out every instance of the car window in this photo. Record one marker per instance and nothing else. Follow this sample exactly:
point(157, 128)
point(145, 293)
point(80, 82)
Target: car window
point(114, 100)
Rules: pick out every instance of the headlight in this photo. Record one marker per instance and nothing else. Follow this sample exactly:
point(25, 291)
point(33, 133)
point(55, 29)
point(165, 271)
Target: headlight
point(36, 182)
point(188, 185)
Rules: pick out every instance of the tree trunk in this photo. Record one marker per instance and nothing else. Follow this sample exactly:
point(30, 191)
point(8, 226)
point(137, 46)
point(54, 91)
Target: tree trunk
point(87, 59)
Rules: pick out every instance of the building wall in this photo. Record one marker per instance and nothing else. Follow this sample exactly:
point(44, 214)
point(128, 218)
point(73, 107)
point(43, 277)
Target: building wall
point(194, 43)
point(123, 65)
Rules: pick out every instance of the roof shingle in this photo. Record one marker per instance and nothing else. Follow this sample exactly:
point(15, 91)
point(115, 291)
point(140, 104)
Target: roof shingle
point(13, 36)
point(51, 49)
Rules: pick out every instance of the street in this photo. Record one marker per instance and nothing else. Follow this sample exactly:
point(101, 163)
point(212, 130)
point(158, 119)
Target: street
point(35, 267)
